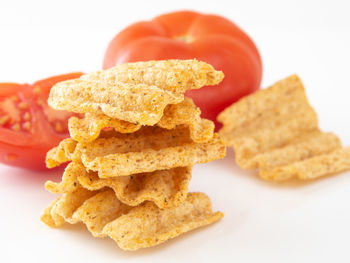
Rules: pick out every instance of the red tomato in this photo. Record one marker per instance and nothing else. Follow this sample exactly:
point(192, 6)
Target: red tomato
point(186, 35)
point(28, 126)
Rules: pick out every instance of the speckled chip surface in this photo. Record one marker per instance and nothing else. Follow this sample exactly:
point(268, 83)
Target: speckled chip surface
point(166, 188)
point(132, 228)
point(136, 92)
point(185, 113)
point(131, 153)
point(147, 150)
point(276, 130)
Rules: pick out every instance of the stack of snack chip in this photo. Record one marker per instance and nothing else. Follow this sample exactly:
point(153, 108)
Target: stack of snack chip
point(131, 155)
point(276, 131)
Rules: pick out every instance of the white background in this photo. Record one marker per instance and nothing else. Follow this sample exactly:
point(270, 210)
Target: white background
point(264, 222)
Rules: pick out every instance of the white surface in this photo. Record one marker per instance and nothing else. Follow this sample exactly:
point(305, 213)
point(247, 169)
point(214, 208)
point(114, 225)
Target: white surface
point(263, 222)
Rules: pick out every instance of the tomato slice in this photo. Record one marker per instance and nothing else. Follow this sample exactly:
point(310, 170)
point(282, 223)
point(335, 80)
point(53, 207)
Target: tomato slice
point(28, 126)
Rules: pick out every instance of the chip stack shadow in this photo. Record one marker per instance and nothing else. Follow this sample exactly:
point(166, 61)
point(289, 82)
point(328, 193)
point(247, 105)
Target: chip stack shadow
point(131, 153)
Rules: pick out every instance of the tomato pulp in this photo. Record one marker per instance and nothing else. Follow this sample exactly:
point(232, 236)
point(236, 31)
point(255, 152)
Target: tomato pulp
point(186, 35)
point(28, 126)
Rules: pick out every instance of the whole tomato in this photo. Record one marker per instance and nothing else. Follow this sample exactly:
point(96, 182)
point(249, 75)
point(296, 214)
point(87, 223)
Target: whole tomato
point(187, 35)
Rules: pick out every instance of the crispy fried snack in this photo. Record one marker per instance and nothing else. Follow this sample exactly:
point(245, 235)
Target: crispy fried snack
point(131, 227)
point(135, 92)
point(147, 150)
point(88, 128)
point(61, 154)
point(277, 131)
point(167, 188)
point(320, 165)
point(186, 113)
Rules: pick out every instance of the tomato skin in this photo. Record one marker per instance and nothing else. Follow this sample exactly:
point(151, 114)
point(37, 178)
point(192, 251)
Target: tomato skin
point(187, 35)
point(28, 148)
point(32, 158)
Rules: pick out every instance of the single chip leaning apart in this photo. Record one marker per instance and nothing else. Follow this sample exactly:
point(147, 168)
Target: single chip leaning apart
point(133, 227)
point(166, 188)
point(136, 92)
point(276, 130)
point(185, 113)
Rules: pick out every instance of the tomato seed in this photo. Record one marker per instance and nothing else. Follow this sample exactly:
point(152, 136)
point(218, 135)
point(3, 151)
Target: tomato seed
point(4, 119)
point(14, 98)
point(26, 116)
point(37, 90)
point(58, 127)
point(27, 125)
point(16, 127)
point(23, 105)
point(40, 102)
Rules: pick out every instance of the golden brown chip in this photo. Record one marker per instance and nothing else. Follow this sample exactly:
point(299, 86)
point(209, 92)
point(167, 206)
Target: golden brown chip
point(188, 114)
point(69, 181)
point(165, 188)
point(113, 157)
point(60, 154)
point(147, 225)
point(146, 150)
point(311, 144)
point(173, 75)
point(185, 113)
point(88, 128)
point(137, 92)
point(277, 113)
point(47, 217)
point(320, 165)
point(137, 227)
point(276, 103)
point(275, 129)
point(62, 209)
point(99, 210)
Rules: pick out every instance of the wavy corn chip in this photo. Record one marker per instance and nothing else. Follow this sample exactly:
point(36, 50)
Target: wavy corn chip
point(136, 92)
point(88, 128)
point(146, 150)
point(47, 217)
point(61, 154)
point(188, 114)
point(311, 144)
point(167, 188)
point(326, 164)
point(147, 225)
point(276, 129)
point(113, 157)
point(99, 210)
point(184, 113)
point(69, 182)
point(268, 118)
point(134, 227)
point(61, 210)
